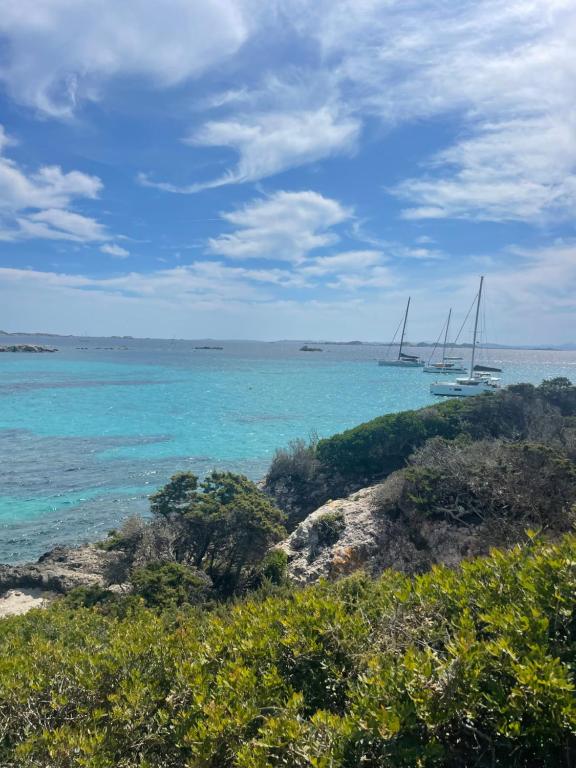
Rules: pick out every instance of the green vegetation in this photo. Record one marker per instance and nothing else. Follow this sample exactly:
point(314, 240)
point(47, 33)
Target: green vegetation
point(454, 668)
point(170, 584)
point(213, 660)
point(304, 476)
point(217, 531)
point(328, 528)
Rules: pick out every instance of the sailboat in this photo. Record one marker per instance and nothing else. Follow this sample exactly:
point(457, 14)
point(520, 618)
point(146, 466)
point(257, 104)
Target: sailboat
point(479, 378)
point(403, 360)
point(447, 364)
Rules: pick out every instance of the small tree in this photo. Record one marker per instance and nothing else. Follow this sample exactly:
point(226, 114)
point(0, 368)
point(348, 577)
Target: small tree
point(224, 525)
point(175, 496)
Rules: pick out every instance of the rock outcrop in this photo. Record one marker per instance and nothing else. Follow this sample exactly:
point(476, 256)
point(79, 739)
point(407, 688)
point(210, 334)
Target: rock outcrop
point(378, 528)
point(64, 568)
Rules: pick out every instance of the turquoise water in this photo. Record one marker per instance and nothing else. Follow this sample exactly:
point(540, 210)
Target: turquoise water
point(87, 433)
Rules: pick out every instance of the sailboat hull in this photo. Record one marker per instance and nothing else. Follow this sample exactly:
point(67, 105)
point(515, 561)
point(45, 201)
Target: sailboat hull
point(443, 369)
point(401, 363)
point(469, 387)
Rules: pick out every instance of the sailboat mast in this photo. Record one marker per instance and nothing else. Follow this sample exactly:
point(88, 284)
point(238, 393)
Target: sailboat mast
point(446, 335)
point(404, 328)
point(476, 326)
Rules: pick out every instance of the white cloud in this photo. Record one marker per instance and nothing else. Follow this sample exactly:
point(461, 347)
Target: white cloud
point(377, 277)
point(34, 205)
point(60, 52)
point(269, 143)
point(283, 227)
point(513, 170)
point(112, 249)
point(214, 299)
point(501, 72)
point(349, 261)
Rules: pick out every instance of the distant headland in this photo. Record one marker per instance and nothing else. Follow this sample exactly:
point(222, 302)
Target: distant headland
point(566, 347)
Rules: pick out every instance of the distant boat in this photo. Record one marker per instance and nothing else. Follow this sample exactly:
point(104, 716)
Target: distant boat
point(447, 364)
point(479, 379)
point(403, 360)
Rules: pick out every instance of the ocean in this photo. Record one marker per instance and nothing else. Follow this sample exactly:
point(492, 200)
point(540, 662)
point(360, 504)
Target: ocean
point(87, 433)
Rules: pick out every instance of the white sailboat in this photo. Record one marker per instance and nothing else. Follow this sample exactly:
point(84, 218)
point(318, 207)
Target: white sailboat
point(403, 360)
point(447, 364)
point(479, 379)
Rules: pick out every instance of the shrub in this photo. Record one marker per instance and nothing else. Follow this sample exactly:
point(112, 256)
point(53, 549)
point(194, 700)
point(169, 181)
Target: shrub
point(304, 477)
point(328, 528)
point(295, 480)
point(273, 568)
point(523, 484)
point(167, 585)
point(447, 670)
point(223, 525)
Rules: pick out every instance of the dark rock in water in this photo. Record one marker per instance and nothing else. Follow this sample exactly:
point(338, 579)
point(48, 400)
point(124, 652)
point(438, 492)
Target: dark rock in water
point(65, 568)
point(27, 348)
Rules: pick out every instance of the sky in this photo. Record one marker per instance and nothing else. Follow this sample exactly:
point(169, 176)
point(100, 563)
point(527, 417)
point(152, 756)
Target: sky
point(288, 168)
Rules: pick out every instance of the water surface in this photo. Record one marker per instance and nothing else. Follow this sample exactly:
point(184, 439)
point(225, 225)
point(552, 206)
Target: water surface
point(87, 433)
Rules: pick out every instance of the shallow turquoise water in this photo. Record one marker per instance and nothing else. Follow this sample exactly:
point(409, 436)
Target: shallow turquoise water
point(87, 434)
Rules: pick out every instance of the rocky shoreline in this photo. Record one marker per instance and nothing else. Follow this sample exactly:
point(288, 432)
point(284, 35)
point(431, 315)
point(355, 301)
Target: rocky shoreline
point(33, 348)
point(55, 573)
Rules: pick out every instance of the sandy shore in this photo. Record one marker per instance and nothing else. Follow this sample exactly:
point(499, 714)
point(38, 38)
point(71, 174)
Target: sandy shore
point(17, 601)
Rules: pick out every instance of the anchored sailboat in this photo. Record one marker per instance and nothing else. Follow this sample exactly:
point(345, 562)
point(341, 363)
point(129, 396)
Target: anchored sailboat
point(479, 379)
point(447, 364)
point(403, 360)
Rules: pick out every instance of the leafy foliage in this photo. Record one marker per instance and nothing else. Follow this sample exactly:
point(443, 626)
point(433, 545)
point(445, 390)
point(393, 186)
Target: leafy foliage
point(166, 585)
point(225, 528)
point(454, 668)
point(468, 482)
point(368, 453)
point(222, 526)
point(328, 528)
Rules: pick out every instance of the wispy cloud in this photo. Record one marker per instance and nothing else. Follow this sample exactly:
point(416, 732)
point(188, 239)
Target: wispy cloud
point(111, 249)
point(36, 205)
point(269, 143)
point(348, 261)
point(285, 226)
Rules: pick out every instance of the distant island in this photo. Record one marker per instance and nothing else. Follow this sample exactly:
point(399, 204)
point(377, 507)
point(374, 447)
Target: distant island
point(566, 347)
point(27, 348)
point(208, 347)
point(306, 348)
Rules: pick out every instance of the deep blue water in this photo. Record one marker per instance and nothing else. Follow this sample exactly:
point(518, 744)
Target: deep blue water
point(86, 434)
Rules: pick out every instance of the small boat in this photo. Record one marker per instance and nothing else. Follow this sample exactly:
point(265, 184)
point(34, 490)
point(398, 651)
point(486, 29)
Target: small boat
point(403, 360)
point(480, 377)
point(447, 364)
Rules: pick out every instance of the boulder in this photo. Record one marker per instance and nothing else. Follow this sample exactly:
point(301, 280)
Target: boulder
point(64, 568)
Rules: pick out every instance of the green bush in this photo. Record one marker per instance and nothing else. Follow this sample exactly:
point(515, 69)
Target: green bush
point(305, 477)
point(273, 568)
point(328, 528)
point(455, 668)
point(167, 585)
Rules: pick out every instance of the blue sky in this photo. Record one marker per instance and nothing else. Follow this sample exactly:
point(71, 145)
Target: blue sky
point(288, 169)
